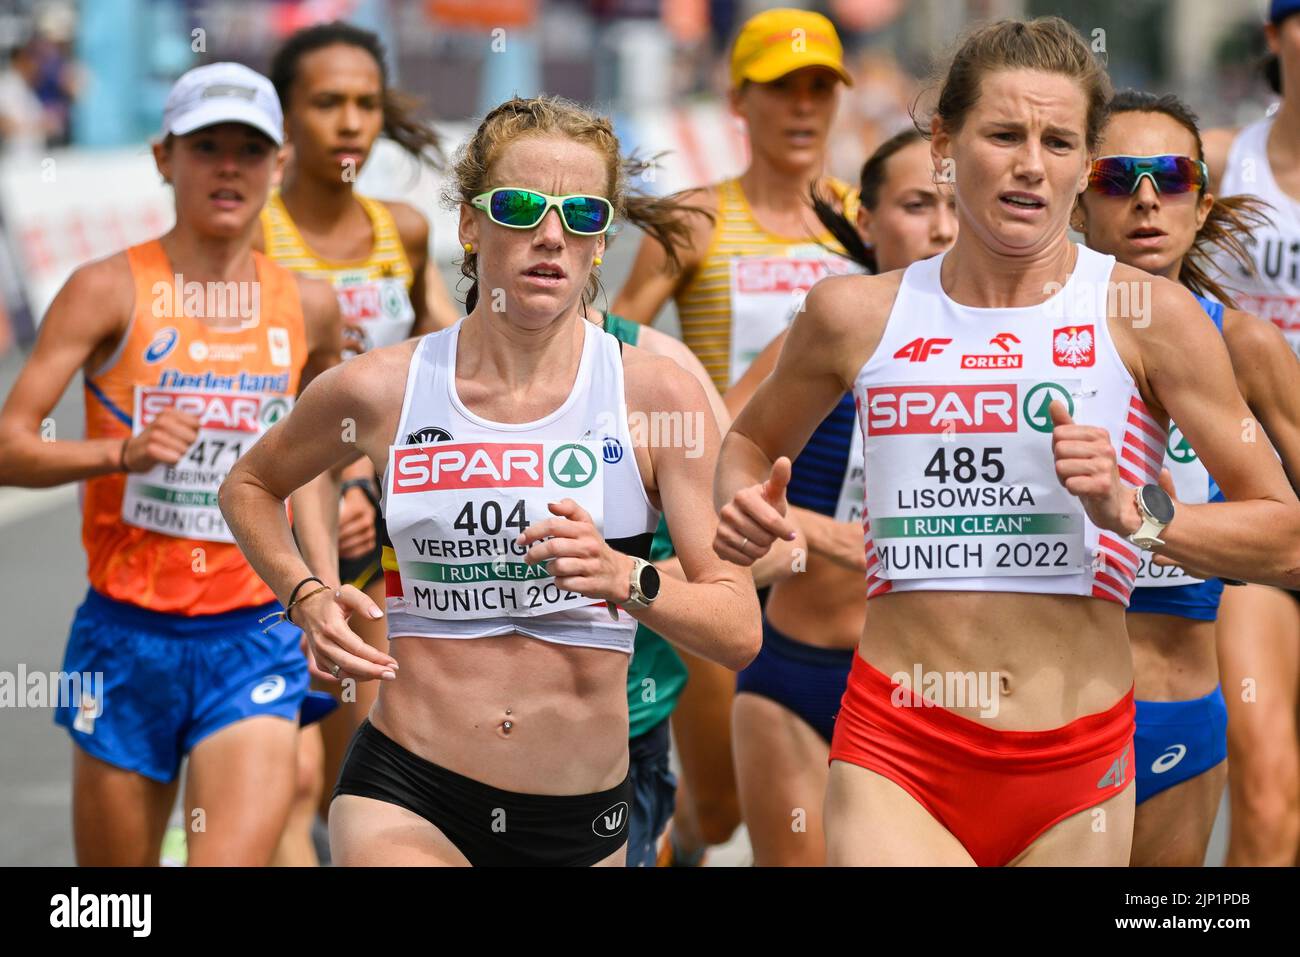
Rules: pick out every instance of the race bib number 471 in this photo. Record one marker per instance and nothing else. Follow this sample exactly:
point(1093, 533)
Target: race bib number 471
point(181, 499)
point(968, 481)
point(454, 510)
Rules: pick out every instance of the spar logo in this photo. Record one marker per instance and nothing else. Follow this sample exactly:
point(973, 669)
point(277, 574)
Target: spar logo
point(755, 275)
point(273, 411)
point(1179, 449)
point(371, 300)
point(572, 466)
point(215, 410)
point(934, 409)
point(161, 345)
point(467, 465)
point(1038, 401)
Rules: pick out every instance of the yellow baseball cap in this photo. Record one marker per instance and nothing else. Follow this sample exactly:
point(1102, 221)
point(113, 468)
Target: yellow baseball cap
point(777, 42)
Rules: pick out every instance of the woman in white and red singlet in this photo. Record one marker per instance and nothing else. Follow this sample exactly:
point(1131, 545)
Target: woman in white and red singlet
point(1011, 420)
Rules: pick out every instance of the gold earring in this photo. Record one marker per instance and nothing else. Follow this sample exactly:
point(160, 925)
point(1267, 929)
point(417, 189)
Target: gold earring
point(597, 261)
point(469, 247)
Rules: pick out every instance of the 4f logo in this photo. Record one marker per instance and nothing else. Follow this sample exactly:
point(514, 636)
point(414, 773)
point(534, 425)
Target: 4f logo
point(919, 350)
point(1117, 776)
point(1074, 346)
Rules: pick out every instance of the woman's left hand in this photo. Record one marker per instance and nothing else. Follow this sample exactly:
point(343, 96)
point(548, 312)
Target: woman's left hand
point(579, 560)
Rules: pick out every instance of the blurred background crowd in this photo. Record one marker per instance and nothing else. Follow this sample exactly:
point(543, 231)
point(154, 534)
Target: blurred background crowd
point(83, 85)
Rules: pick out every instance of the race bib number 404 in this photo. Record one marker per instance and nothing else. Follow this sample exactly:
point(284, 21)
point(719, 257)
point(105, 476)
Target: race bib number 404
point(181, 499)
point(967, 482)
point(454, 511)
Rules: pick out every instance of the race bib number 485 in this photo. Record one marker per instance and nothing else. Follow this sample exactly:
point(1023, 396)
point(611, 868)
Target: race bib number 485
point(454, 511)
point(968, 482)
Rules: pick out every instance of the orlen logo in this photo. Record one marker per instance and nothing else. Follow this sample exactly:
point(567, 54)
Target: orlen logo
point(933, 409)
point(918, 350)
point(162, 345)
point(1004, 360)
point(234, 413)
point(468, 465)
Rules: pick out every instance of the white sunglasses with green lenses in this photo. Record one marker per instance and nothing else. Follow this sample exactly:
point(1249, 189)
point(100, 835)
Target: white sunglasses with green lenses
point(518, 208)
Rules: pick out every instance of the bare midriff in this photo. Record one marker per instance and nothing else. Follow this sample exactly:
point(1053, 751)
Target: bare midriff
point(1056, 657)
point(821, 606)
point(1174, 658)
point(511, 712)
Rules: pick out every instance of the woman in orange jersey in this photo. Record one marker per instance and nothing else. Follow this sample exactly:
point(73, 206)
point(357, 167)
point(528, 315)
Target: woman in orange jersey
point(739, 275)
point(192, 346)
point(332, 82)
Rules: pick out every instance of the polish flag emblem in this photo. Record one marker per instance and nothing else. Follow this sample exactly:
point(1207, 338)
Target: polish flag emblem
point(1074, 346)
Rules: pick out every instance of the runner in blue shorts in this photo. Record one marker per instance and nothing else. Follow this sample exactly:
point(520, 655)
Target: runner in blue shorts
point(192, 346)
point(1148, 204)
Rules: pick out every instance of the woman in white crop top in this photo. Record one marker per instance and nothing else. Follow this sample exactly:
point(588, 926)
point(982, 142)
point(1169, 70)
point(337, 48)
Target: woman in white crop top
point(503, 737)
point(997, 521)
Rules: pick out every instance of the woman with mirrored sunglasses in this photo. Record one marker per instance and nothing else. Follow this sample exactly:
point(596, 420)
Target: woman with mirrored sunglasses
point(1154, 211)
point(520, 492)
point(1259, 627)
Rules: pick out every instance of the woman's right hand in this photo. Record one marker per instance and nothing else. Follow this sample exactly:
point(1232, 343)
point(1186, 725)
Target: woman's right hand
point(323, 619)
point(755, 518)
point(164, 440)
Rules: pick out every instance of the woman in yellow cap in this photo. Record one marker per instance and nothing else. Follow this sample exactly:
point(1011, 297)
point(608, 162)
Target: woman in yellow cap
point(760, 248)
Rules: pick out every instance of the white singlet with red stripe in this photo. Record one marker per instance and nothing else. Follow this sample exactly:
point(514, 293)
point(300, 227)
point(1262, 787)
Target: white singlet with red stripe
point(1273, 292)
point(458, 489)
point(961, 488)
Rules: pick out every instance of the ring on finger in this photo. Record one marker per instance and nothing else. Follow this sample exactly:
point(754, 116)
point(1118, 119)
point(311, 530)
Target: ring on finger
point(743, 543)
point(335, 670)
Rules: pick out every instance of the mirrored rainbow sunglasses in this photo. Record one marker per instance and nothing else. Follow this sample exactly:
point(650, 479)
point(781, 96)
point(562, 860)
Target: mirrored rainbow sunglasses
point(519, 208)
point(1170, 173)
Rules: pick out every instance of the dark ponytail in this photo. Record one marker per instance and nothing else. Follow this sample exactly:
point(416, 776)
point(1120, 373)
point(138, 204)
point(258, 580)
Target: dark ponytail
point(1232, 219)
point(872, 178)
point(400, 126)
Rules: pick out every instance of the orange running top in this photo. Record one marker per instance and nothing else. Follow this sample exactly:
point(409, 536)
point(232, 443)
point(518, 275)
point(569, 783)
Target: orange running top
point(156, 539)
